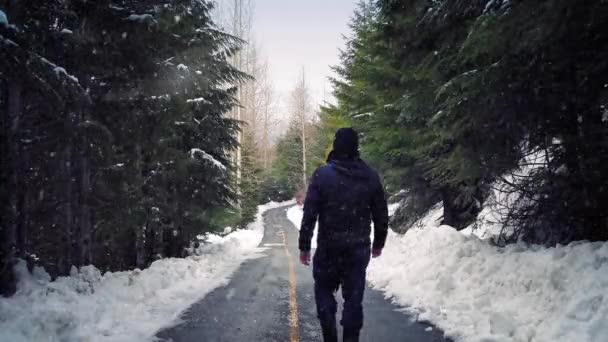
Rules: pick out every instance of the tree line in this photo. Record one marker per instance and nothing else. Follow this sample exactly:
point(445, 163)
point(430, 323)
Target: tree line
point(458, 102)
point(456, 98)
point(116, 133)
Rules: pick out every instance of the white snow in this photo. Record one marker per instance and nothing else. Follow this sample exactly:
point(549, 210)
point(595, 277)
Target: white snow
point(3, 19)
point(294, 214)
point(61, 71)
point(392, 208)
point(363, 114)
point(124, 306)
point(493, 4)
point(208, 157)
point(160, 97)
point(197, 100)
point(475, 291)
point(182, 67)
point(168, 62)
point(140, 17)
point(8, 42)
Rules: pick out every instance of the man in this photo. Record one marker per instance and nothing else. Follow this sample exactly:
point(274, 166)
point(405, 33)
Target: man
point(345, 196)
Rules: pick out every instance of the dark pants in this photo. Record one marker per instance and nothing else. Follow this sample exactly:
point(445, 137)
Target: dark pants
point(332, 268)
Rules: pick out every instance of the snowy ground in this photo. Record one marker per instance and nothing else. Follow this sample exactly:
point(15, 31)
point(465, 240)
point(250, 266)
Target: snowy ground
point(478, 292)
point(123, 306)
point(294, 214)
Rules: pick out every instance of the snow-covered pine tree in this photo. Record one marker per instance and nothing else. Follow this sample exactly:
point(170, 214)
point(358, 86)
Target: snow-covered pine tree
point(45, 106)
point(118, 139)
point(163, 86)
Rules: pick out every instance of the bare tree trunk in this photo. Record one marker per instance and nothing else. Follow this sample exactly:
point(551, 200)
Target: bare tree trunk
point(265, 137)
point(303, 110)
point(140, 236)
point(23, 202)
point(84, 241)
point(156, 227)
point(267, 93)
point(238, 31)
point(9, 231)
point(68, 213)
point(303, 153)
point(241, 27)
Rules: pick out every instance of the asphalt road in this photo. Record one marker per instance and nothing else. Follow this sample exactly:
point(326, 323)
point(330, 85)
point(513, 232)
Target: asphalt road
point(271, 299)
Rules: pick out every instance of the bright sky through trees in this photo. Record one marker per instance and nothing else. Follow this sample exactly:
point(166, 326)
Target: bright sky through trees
point(296, 33)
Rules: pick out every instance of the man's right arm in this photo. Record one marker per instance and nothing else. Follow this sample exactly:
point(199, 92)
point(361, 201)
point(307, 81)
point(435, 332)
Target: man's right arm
point(380, 217)
point(311, 212)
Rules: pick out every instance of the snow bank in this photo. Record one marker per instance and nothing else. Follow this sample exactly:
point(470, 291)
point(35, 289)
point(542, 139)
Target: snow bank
point(123, 306)
point(295, 214)
point(3, 19)
point(477, 292)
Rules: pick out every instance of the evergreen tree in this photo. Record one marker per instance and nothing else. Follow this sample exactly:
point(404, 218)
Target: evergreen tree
point(450, 96)
point(122, 154)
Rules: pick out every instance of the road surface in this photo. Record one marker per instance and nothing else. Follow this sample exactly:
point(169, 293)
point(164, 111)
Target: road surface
point(271, 299)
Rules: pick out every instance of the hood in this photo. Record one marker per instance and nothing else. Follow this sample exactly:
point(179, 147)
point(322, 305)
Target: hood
point(355, 168)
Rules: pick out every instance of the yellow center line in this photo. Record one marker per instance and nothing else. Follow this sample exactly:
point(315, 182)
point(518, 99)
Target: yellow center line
point(294, 333)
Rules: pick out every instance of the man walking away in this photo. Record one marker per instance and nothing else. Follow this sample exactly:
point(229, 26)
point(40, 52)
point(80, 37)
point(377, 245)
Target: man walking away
point(345, 196)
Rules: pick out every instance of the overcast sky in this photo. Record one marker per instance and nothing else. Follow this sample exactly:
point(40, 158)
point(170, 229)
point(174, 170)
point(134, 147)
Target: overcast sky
point(301, 33)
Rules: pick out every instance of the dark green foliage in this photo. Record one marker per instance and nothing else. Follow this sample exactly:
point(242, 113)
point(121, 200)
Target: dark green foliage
point(451, 95)
point(287, 167)
point(251, 181)
point(275, 188)
point(127, 160)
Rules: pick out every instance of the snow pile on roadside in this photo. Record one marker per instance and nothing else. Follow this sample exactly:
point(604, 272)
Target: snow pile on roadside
point(477, 292)
point(3, 19)
point(123, 306)
point(295, 214)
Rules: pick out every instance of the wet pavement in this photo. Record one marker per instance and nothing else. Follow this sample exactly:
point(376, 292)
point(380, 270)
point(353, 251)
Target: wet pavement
point(271, 299)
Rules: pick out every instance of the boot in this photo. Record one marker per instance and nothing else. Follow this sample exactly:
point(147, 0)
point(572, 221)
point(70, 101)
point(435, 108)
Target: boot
point(330, 333)
point(351, 336)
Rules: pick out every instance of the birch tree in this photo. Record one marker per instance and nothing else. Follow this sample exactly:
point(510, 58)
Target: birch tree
point(301, 108)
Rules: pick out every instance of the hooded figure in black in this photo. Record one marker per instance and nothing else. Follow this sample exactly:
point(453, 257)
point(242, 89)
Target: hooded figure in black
point(345, 196)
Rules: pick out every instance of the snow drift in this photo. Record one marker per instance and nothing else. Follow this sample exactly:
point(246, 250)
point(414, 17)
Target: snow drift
point(475, 291)
point(123, 306)
point(295, 214)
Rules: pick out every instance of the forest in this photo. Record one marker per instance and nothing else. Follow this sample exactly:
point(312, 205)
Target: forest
point(129, 128)
point(455, 100)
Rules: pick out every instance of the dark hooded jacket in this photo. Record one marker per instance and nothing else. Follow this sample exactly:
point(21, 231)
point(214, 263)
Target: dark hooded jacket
point(345, 195)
